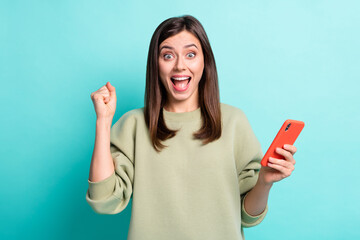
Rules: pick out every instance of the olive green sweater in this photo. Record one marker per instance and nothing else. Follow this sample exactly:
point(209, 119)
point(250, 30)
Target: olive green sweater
point(188, 190)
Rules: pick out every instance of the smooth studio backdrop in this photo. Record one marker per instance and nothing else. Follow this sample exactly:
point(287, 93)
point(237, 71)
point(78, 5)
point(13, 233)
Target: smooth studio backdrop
point(275, 59)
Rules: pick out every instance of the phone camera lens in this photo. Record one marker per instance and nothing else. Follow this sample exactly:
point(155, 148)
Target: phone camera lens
point(287, 127)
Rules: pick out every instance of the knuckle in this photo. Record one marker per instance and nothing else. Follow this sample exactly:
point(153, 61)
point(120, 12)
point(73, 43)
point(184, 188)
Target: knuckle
point(97, 97)
point(280, 151)
point(106, 93)
point(284, 152)
point(290, 167)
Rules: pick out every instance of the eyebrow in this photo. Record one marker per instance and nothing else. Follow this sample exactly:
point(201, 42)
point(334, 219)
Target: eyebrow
point(186, 46)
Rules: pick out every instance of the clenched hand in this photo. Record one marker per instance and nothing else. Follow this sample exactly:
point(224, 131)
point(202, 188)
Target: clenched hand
point(104, 100)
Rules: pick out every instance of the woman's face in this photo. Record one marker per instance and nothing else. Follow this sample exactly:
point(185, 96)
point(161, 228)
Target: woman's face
point(181, 65)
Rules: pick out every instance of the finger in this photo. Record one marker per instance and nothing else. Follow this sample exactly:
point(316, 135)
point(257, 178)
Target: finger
point(284, 171)
point(290, 148)
point(288, 156)
point(282, 162)
point(102, 91)
point(98, 98)
point(103, 88)
point(105, 93)
point(111, 89)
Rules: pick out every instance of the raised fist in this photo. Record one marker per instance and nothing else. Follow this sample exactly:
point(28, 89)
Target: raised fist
point(104, 101)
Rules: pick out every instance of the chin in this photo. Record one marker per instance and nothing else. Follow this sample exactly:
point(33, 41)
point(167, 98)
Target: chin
point(181, 96)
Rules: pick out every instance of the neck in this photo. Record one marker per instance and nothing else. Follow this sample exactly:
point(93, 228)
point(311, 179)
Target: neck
point(181, 107)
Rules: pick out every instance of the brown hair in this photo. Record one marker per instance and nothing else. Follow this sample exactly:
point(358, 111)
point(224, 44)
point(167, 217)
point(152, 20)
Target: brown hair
point(155, 92)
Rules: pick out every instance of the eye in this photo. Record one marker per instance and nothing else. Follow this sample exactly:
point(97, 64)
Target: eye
point(192, 55)
point(166, 56)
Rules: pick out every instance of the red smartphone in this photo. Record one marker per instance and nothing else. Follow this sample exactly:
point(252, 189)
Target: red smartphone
point(287, 134)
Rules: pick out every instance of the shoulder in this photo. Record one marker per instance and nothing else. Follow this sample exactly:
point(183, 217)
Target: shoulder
point(132, 115)
point(137, 113)
point(124, 132)
point(235, 118)
point(130, 119)
point(236, 124)
point(230, 112)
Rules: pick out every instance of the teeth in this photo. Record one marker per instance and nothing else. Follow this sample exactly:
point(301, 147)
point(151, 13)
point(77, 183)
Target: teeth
point(181, 79)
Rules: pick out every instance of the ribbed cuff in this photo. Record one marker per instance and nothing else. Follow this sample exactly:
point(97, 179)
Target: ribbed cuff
point(250, 220)
point(102, 189)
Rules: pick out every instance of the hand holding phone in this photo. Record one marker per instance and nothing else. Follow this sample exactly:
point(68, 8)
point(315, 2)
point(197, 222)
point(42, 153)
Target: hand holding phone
point(287, 134)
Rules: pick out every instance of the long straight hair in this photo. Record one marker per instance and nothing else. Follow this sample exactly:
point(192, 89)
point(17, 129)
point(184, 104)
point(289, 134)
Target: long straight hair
point(156, 95)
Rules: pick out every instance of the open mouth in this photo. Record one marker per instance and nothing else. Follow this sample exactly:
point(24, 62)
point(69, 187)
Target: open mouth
point(181, 84)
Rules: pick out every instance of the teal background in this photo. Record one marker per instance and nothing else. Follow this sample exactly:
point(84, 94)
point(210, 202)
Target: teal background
point(276, 60)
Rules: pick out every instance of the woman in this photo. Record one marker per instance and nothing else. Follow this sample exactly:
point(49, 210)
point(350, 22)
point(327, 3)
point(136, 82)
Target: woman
point(190, 163)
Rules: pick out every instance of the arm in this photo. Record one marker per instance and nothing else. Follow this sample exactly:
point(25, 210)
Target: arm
point(256, 181)
point(256, 199)
point(104, 100)
point(112, 194)
point(102, 165)
point(252, 192)
point(111, 170)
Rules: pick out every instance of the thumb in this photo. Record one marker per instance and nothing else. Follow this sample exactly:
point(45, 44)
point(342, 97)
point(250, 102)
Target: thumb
point(111, 89)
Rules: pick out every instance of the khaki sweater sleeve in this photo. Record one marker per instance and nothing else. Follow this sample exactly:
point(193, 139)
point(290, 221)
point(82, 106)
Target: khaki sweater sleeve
point(112, 195)
point(249, 155)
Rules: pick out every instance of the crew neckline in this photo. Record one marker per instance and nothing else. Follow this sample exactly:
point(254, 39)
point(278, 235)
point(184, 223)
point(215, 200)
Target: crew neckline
point(182, 116)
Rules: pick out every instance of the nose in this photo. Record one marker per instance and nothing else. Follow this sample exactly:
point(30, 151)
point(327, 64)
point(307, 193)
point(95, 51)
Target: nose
point(180, 65)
